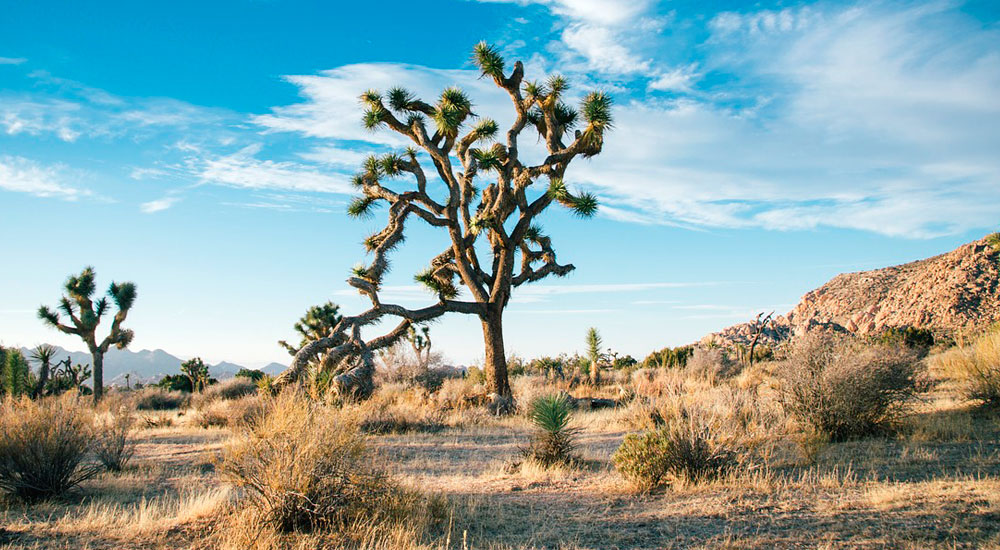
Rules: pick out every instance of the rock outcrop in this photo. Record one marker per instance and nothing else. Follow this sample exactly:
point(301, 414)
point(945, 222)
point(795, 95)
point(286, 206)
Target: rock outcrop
point(955, 292)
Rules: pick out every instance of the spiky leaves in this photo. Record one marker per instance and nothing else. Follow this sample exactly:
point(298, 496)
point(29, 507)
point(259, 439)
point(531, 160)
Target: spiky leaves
point(485, 130)
point(554, 441)
point(361, 207)
point(123, 294)
point(438, 283)
point(487, 57)
point(584, 204)
point(451, 111)
point(596, 109)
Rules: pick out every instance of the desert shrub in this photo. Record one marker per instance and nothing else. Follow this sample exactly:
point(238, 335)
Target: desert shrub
point(158, 399)
point(843, 389)
point(918, 338)
point(175, 382)
point(44, 446)
point(994, 241)
point(475, 375)
point(211, 415)
point(265, 386)
point(398, 408)
point(712, 364)
point(251, 374)
point(113, 443)
point(553, 441)
point(977, 367)
point(624, 363)
point(305, 467)
point(230, 389)
point(668, 357)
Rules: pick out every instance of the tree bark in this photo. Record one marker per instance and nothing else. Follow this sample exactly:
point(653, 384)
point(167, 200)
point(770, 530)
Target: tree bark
point(98, 360)
point(495, 364)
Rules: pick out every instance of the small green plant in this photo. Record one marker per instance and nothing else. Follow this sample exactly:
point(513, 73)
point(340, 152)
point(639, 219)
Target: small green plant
point(253, 374)
point(554, 441)
point(15, 375)
point(668, 357)
point(682, 449)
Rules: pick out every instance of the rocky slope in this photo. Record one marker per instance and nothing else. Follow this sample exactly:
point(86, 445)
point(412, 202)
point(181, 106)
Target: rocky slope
point(955, 292)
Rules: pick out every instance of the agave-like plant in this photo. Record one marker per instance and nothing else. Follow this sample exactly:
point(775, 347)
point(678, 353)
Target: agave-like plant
point(554, 441)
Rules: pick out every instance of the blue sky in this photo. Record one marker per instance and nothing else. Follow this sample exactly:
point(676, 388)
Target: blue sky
point(203, 149)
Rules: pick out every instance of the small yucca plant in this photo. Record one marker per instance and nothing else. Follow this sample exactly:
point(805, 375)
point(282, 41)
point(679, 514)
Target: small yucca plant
point(554, 441)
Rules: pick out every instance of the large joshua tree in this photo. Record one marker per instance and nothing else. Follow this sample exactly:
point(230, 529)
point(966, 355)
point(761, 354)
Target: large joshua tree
point(84, 315)
point(485, 192)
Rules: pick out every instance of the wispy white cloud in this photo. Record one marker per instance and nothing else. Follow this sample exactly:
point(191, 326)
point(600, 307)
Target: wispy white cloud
point(244, 170)
point(158, 205)
point(12, 60)
point(23, 175)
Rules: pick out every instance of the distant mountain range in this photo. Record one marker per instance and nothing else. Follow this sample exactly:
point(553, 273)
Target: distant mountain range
point(148, 366)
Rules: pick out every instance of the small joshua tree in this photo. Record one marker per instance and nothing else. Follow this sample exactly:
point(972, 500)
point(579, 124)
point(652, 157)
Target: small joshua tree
point(420, 341)
point(594, 354)
point(43, 354)
point(197, 372)
point(491, 195)
point(85, 315)
point(318, 322)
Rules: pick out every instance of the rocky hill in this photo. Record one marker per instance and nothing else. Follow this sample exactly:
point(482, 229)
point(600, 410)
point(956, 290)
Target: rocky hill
point(955, 292)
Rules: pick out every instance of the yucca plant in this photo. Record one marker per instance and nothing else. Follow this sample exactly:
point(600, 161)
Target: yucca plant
point(483, 187)
point(84, 315)
point(554, 440)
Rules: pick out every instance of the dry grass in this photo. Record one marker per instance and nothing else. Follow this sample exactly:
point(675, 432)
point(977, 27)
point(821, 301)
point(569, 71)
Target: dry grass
point(933, 484)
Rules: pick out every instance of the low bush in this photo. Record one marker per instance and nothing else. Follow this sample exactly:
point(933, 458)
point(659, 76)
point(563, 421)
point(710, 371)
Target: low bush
point(243, 412)
point(553, 441)
point(113, 442)
point(977, 367)
point(842, 389)
point(305, 467)
point(158, 399)
point(44, 446)
point(233, 388)
point(398, 408)
point(712, 364)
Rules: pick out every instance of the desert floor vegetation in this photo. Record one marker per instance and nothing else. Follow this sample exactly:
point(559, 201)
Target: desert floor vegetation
point(413, 468)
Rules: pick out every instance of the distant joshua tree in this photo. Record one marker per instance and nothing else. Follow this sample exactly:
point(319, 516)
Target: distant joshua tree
point(318, 322)
point(84, 315)
point(197, 372)
point(594, 354)
point(420, 341)
point(43, 354)
point(503, 210)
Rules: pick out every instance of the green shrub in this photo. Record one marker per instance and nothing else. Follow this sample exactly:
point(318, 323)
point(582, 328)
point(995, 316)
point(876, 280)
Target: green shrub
point(994, 241)
point(158, 399)
point(917, 338)
point(686, 447)
point(668, 357)
point(44, 445)
point(553, 441)
point(843, 389)
point(15, 374)
point(253, 374)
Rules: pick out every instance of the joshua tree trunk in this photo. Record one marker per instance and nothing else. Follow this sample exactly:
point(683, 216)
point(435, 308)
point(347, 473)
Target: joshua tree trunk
point(495, 364)
point(97, 358)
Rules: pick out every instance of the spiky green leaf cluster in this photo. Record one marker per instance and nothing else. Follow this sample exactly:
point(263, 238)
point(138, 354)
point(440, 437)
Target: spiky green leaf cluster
point(400, 99)
point(550, 413)
point(557, 84)
point(443, 288)
point(487, 159)
point(452, 109)
point(584, 204)
point(361, 206)
point(487, 57)
point(486, 129)
point(123, 294)
point(596, 110)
